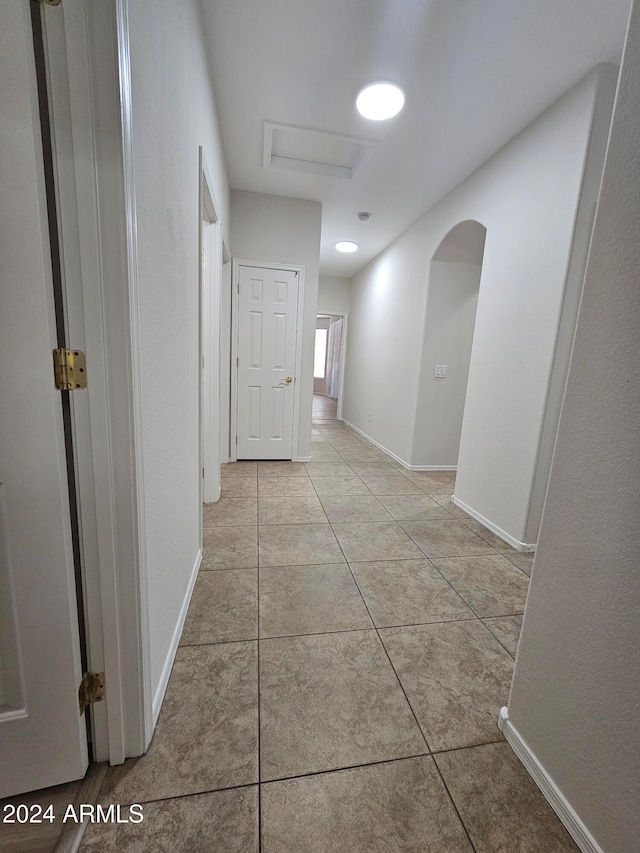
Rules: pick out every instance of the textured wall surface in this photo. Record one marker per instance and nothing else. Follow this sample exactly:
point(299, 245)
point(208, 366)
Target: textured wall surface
point(575, 692)
point(451, 316)
point(527, 196)
point(173, 114)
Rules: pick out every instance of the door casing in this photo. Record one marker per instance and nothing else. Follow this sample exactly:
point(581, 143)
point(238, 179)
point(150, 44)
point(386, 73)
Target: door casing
point(88, 70)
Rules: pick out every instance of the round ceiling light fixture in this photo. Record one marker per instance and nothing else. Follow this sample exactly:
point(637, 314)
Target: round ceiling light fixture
point(347, 246)
point(380, 101)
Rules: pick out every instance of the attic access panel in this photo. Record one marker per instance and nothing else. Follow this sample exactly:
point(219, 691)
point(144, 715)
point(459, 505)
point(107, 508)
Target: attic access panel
point(315, 152)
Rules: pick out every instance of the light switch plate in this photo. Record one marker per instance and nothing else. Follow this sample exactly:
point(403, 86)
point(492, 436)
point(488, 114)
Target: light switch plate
point(441, 371)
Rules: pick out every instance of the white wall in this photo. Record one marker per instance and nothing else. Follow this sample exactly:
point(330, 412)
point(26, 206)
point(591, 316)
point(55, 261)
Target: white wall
point(574, 698)
point(451, 315)
point(333, 295)
point(284, 230)
point(173, 113)
point(527, 196)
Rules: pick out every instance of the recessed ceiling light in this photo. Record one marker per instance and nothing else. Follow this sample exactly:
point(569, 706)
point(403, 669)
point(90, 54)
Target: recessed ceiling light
point(380, 101)
point(347, 246)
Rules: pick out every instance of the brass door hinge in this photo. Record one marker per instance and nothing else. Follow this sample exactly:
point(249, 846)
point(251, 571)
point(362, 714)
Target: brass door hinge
point(69, 369)
point(91, 690)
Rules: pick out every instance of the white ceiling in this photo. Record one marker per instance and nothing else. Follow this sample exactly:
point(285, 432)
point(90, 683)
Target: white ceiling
point(475, 72)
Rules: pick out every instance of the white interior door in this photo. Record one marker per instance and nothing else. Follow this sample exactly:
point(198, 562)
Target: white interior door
point(267, 336)
point(42, 736)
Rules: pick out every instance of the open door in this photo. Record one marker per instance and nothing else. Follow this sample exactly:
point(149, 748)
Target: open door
point(42, 734)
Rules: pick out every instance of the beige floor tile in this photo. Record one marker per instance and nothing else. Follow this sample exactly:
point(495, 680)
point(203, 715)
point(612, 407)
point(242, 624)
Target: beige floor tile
point(310, 600)
point(407, 592)
point(500, 804)
point(224, 607)
point(373, 469)
point(281, 469)
point(434, 482)
point(375, 541)
point(285, 487)
point(452, 509)
point(340, 443)
point(230, 548)
point(330, 701)
point(239, 469)
point(328, 469)
point(354, 508)
point(291, 510)
point(396, 806)
point(446, 538)
point(327, 486)
point(414, 507)
point(298, 545)
point(396, 485)
point(456, 676)
point(207, 734)
point(239, 487)
point(506, 629)
point(230, 512)
point(359, 455)
point(326, 455)
point(489, 584)
point(488, 536)
point(222, 821)
point(522, 561)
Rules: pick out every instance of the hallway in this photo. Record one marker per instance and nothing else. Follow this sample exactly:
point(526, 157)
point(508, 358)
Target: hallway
point(387, 624)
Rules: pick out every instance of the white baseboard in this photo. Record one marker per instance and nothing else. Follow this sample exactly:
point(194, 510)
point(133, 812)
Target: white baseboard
point(175, 640)
point(554, 796)
point(510, 540)
point(397, 458)
point(301, 459)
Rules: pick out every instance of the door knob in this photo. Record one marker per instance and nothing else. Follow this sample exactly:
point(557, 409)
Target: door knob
point(289, 380)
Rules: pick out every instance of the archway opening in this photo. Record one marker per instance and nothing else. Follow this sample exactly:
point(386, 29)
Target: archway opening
point(454, 283)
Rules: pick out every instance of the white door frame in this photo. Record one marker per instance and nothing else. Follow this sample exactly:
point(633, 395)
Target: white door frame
point(235, 279)
point(343, 353)
point(210, 279)
point(96, 198)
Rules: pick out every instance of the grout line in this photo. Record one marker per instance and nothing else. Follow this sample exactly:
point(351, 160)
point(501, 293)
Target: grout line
point(258, 674)
point(346, 767)
point(382, 643)
point(453, 803)
point(472, 618)
point(373, 627)
point(190, 794)
point(500, 739)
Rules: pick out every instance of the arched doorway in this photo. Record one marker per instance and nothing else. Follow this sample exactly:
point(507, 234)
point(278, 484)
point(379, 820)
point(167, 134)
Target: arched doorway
point(454, 282)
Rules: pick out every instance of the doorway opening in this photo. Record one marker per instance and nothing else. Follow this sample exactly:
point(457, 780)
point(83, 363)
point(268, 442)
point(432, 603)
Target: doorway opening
point(452, 300)
point(327, 366)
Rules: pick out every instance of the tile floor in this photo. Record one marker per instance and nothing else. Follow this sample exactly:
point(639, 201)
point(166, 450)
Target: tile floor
point(348, 647)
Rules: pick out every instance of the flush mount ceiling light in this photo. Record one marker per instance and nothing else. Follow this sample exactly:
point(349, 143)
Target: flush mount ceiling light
point(380, 101)
point(347, 246)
